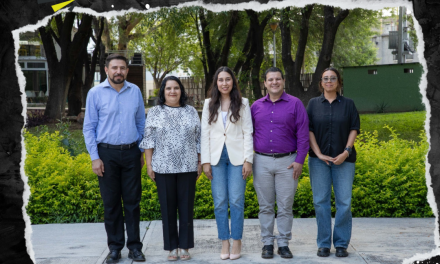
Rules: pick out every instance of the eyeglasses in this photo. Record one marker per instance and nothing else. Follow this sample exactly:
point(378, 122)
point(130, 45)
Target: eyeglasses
point(331, 79)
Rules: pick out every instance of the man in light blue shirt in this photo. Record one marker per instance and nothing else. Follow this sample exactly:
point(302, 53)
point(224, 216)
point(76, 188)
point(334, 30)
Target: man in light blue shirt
point(113, 127)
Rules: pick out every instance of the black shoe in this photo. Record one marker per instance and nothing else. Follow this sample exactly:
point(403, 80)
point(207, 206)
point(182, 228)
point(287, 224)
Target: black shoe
point(284, 252)
point(341, 252)
point(323, 252)
point(113, 256)
point(136, 255)
point(267, 252)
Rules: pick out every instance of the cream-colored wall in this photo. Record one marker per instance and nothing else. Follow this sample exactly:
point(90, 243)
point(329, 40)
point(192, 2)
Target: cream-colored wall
point(149, 86)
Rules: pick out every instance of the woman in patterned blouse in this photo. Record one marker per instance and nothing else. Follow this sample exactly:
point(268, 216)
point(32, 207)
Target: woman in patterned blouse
point(227, 154)
point(172, 146)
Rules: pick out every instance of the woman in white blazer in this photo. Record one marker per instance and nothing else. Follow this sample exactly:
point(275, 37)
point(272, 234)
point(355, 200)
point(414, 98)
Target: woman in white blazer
point(226, 155)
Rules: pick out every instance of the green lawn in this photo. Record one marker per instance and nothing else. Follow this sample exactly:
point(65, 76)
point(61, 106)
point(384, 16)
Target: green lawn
point(408, 125)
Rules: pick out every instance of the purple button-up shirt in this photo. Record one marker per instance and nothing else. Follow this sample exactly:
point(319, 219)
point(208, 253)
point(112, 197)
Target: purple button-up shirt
point(281, 126)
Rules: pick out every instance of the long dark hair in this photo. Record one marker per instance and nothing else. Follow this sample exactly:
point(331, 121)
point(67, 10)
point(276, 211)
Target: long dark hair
point(183, 95)
point(215, 97)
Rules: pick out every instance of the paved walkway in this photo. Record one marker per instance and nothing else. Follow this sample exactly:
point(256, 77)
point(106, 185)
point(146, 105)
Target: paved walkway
point(374, 240)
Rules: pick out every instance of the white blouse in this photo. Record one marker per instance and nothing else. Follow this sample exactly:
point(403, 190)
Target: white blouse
point(225, 116)
point(174, 135)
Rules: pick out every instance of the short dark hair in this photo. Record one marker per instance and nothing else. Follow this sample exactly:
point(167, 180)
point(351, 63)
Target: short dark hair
point(273, 69)
point(183, 95)
point(321, 89)
point(115, 56)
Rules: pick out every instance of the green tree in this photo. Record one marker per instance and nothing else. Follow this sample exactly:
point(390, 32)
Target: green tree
point(353, 45)
point(340, 37)
point(167, 43)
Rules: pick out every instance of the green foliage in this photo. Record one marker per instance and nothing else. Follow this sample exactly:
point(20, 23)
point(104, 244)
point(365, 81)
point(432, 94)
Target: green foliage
point(63, 187)
point(166, 44)
point(353, 45)
point(156, 92)
point(389, 179)
point(389, 182)
point(203, 203)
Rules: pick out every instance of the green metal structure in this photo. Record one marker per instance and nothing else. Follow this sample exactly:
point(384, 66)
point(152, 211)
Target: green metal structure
point(384, 88)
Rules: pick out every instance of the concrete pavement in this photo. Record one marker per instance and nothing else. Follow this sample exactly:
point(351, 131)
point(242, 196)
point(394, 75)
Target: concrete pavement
point(374, 240)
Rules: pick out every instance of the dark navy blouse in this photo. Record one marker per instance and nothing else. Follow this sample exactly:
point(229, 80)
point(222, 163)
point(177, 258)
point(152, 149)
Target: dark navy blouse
point(332, 123)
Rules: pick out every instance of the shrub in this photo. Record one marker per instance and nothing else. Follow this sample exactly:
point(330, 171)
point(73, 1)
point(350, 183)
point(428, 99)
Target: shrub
point(390, 177)
point(63, 187)
point(35, 117)
point(389, 182)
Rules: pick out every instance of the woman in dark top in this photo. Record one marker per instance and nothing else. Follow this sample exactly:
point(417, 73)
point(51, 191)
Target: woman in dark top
point(333, 127)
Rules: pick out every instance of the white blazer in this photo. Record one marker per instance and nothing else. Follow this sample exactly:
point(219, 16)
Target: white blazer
point(237, 136)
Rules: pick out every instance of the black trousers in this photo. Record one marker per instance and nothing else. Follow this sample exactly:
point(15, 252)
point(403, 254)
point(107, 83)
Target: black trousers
point(177, 192)
point(121, 180)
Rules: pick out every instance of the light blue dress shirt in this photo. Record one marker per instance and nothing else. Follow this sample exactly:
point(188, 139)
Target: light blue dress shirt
point(112, 117)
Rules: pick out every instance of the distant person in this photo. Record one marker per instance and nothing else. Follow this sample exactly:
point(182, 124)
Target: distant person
point(113, 127)
point(227, 154)
point(172, 146)
point(281, 142)
point(334, 125)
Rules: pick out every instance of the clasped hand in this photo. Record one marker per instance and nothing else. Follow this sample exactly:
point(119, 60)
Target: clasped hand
point(338, 160)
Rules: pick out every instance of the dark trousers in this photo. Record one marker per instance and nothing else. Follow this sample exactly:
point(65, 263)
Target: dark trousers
point(121, 179)
point(177, 192)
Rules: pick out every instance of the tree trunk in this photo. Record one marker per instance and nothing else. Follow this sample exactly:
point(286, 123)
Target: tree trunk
point(74, 101)
point(247, 45)
point(90, 69)
point(216, 59)
point(106, 40)
point(126, 25)
point(331, 24)
point(293, 68)
point(61, 71)
point(102, 62)
point(426, 12)
point(257, 50)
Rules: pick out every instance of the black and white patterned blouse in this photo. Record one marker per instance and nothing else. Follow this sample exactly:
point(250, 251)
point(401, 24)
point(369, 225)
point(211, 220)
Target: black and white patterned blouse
point(174, 134)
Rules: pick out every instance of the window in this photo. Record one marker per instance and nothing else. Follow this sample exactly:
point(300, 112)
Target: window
point(408, 70)
point(29, 50)
point(35, 81)
point(372, 71)
point(39, 65)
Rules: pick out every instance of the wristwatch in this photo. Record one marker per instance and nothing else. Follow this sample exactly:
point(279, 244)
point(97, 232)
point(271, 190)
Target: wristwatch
point(348, 149)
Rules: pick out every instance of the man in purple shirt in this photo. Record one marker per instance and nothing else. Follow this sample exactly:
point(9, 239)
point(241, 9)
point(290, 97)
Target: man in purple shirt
point(281, 143)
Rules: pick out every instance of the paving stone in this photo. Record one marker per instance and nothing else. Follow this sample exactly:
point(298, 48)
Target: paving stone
point(374, 240)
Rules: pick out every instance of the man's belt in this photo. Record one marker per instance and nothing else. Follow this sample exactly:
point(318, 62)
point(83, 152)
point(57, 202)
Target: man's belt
point(276, 155)
point(121, 147)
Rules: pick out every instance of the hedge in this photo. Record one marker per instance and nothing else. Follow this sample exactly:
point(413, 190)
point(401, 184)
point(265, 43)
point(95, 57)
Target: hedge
point(389, 182)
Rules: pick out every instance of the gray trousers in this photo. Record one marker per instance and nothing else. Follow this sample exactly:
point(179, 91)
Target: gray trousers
point(274, 182)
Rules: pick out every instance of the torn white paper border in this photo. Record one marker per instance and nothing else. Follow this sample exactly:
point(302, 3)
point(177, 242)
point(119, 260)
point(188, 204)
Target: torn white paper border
point(346, 4)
